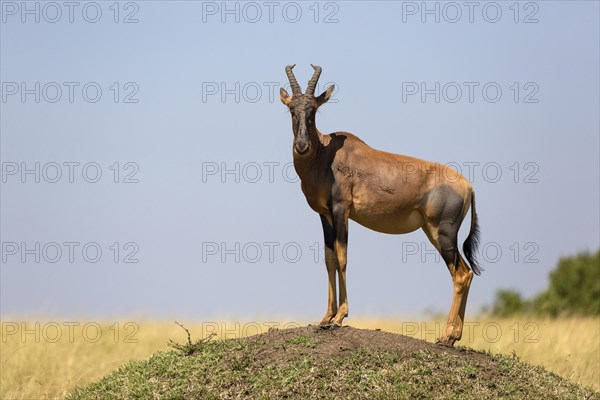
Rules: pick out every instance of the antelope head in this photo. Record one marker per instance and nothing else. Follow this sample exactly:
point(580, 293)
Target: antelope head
point(303, 108)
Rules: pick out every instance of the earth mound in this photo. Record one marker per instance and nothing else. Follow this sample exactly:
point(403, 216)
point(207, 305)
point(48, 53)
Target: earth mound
point(344, 363)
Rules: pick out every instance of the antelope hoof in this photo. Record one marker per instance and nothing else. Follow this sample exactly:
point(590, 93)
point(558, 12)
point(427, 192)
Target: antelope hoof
point(330, 326)
point(448, 342)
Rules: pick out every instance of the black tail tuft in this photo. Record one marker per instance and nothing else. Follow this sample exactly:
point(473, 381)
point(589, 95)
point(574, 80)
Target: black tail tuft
point(472, 242)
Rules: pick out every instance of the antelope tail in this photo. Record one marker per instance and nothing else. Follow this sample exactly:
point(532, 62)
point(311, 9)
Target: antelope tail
point(472, 242)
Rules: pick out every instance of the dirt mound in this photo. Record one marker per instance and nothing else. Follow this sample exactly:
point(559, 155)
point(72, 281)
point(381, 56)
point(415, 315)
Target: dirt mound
point(344, 363)
point(328, 343)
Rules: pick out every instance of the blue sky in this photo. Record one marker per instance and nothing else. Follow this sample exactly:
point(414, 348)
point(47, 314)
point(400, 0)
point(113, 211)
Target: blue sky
point(188, 93)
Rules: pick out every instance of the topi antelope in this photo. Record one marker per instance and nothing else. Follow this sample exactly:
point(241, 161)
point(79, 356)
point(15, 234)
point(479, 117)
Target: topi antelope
point(342, 177)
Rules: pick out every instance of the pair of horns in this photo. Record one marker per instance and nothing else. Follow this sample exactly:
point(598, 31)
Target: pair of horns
point(312, 84)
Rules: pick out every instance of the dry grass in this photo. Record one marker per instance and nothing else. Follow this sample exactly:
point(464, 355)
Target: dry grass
point(50, 365)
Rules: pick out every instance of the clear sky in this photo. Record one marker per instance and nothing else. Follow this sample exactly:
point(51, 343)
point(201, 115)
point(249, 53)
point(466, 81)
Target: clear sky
point(176, 106)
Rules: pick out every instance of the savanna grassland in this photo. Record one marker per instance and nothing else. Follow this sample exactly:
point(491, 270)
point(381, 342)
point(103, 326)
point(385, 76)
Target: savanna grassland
point(50, 360)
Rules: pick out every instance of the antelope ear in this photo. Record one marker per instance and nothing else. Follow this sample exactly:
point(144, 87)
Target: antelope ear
point(325, 96)
point(284, 97)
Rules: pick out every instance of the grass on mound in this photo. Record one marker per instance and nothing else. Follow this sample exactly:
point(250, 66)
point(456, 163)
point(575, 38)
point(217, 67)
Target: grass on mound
point(309, 362)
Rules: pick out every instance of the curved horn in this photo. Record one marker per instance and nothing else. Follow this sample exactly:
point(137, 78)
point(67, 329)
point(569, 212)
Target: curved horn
point(293, 82)
point(312, 84)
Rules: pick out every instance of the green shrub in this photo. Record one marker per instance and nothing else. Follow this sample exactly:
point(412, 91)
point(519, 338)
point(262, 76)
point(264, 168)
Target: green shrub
point(574, 287)
point(574, 290)
point(508, 302)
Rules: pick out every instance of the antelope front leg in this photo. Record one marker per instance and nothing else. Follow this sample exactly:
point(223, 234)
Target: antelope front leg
point(340, 227)
point(331, 263)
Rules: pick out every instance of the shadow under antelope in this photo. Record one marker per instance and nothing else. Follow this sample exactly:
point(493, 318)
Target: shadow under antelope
point(342, 177)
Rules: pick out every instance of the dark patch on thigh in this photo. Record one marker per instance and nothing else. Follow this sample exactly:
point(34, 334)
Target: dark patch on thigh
point(443, 205)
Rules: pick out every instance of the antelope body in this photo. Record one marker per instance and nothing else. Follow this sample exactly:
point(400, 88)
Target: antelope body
point(342, 177)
